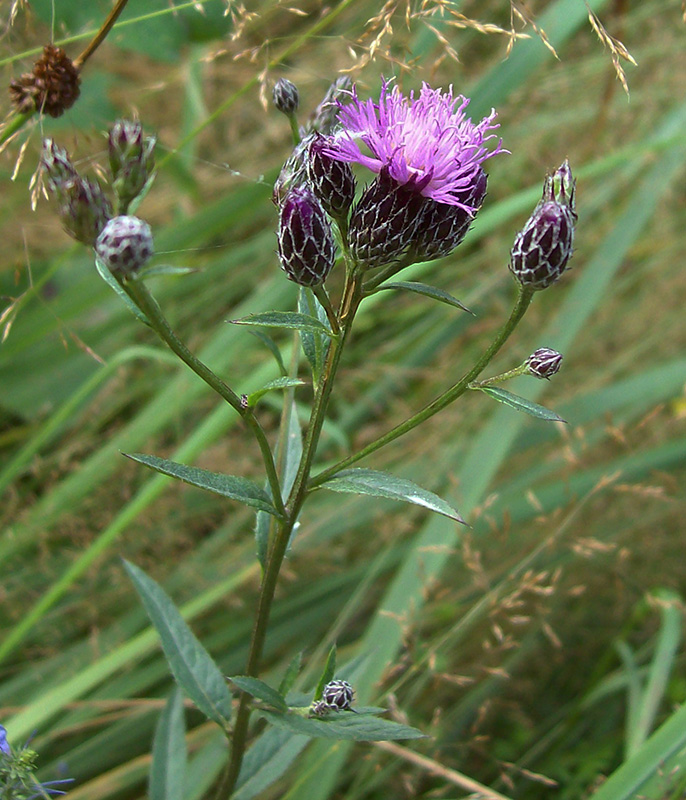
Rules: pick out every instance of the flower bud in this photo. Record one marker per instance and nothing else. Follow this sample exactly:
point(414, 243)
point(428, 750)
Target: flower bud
point(384, 221)
point(305, 241)
point(544, 363)
point(543, 247)
point(132, 160)
point(332, 181)
point(293, 173)
point(338, 695)
point(125, 245)
point(443, 227)
point(57, 167)
point(286, 97)
point(84, 209)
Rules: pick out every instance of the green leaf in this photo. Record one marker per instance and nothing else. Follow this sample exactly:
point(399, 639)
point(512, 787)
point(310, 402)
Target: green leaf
point(241, 489)
point(343, 725)
point(327, 674)
point(113, 283)
point(169, 754)
point(520, 403)
point(313, 342)
point(291, 674)
point(260, 690)
point(192, 666)
point(277, 383)
point(427, 291)
point(267, 760)
point(284, 319)
point(164, 269)
point(382, 484)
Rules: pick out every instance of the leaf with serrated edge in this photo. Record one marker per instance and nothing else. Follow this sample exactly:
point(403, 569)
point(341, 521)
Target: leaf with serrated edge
point(284, 319)
point(520, 403)
point(169, 755)
point(260, 690)
point(230, 486)
point(344, 725)
point(192, 666)
point(428, 291)
point(382, 484)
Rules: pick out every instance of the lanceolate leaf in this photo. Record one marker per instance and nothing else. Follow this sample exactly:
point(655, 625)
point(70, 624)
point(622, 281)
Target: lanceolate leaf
point(313, 342)
point(343, 725)
point(327, 674)
point(277, 383)
point(260, 690)
point(427, 291)
point(236, 488)
point(168, 769)
point(165, 269)
point(284, 319)
point(520, 403)
point(381, 484)
point(291, 674)
point(192, 666)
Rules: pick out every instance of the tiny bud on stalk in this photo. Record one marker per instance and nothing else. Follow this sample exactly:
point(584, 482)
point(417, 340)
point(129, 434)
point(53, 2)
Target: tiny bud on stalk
point(84, 209)
point(125, 245)
point(132, 160)
point(57, 167)
point(543, 247)
point(305, 241)
point(286, 97)
point(544, 363)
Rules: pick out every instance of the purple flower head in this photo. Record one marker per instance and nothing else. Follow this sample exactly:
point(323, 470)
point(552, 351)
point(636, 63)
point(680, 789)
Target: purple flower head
point(425, 143)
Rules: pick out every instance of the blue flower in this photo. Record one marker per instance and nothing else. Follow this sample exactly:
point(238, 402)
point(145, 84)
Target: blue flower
point(4, 744)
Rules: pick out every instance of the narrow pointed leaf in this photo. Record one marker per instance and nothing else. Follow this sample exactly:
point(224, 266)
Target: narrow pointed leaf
point(169, 754)
point(382, 484)
point(343, 725)
point(260, 690)
point(520, 403)
point(427, 291)
point(277, 383)
point(313, 342)
point(165, 269)
point(267, 760)
point(241, 489)
point(192, 666)
point(284, 319)
point(327, 674)
point(291, 674)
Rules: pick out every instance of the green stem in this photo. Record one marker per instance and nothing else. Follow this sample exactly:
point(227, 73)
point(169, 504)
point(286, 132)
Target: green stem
point(349, 304)
point(140, 295)
point(523, 300)
point(101, 35)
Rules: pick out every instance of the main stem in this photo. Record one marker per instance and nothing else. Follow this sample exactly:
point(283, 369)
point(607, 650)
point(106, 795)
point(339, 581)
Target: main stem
point(521, 305)
point(350, 302)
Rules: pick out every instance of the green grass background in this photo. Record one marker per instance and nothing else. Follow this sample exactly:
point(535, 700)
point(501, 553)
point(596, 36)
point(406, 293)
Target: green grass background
point(539, 648)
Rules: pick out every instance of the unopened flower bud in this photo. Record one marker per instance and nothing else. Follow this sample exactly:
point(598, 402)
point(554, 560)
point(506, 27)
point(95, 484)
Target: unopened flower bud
point(332, 181)
point(305, 241)
point(338, 695)
point(57, 167)
point(125, 245)
point(132, 160)
point(443, 227)
point(384, 221)
point(544, 363)
point(293, 173)
point(84, 209)
point(543, 247)
point(286, 97)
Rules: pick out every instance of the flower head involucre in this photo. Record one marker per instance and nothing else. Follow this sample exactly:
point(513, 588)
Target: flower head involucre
point(425, 143)
point(125, 245)
point(306, 247)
